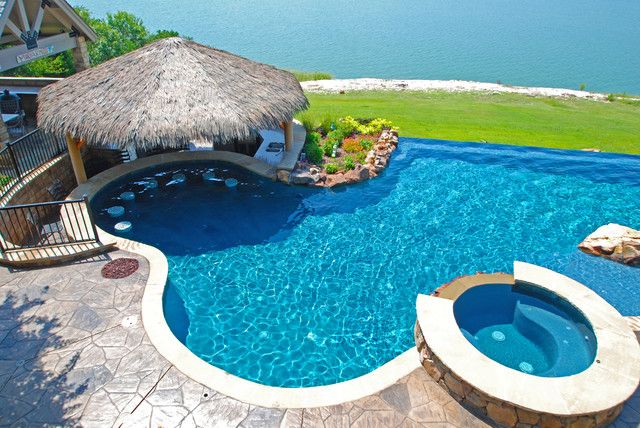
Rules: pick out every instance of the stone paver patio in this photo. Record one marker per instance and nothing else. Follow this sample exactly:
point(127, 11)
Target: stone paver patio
point(73, 351)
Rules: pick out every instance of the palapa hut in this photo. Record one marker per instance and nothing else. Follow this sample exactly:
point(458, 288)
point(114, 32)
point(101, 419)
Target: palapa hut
point(167, 94)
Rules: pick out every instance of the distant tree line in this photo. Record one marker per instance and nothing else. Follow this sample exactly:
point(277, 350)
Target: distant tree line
point(118, 33)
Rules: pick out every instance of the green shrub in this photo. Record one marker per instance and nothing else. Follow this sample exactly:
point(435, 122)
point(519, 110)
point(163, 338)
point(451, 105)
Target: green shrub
point(327, 124)
point(349, 163)
point(361, 157)
point(582, 87)
point(328, 147)
point(337, 136)
point(314, 153)
point(611, 98)
point(4, 180)
point(377, 125)
point(312, 137)
point(304, 76)
point(312, 149)
point(331, 168)
point(308, 121)
point(349, 126)
point(366, 144)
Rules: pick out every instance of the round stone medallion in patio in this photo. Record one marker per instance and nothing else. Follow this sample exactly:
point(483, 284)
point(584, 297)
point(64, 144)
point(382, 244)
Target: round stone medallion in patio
point(120, 268)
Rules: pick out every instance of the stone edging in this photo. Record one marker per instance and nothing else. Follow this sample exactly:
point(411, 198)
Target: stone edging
point(199, 370)
point(593, 397)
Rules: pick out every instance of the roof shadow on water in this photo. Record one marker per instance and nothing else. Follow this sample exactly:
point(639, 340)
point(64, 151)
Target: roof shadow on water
point(211, 217)
point(34, 391)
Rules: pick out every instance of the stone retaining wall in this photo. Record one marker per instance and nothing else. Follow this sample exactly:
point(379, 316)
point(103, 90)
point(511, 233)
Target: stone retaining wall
point(503, 413)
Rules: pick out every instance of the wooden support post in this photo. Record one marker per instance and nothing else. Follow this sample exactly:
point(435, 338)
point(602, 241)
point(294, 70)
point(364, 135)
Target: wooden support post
point(76, 159)
point(288, 135)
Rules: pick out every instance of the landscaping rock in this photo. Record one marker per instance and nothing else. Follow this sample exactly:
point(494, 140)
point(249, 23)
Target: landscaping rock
point(615, 242)
point(303, 177)
point(527, 417)
point(502, 414)
point(363, 172)
point(335, 180)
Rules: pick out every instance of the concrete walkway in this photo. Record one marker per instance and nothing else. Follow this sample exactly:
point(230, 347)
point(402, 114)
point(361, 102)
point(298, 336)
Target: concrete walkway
point(73, 351)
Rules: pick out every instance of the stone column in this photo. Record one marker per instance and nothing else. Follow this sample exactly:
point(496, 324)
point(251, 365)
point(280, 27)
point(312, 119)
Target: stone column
point(288, 135)
point(81, 55)
point(4, 135)
point(76, 159)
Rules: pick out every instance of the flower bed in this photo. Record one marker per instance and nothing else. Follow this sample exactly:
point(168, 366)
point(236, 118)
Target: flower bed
point(345, 151)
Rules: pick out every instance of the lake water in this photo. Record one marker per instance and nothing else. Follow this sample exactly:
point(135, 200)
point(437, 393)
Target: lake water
point(533, 43)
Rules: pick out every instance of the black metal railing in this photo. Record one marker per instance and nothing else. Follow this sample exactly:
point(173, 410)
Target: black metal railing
point(23, 155)
point(46, 224)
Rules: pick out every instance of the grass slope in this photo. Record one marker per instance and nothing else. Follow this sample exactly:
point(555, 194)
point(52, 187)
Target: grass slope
point(495, 118)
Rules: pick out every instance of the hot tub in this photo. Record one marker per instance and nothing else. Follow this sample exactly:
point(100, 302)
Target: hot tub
point(535, 348)
point(526, 329)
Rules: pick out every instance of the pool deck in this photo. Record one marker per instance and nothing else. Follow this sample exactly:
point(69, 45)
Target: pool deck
point(73, 351)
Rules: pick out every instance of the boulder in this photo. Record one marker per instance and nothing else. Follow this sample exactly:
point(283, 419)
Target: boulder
point(371, 157)
point(336, 180)
point(615, 242)
point(303, 177)
point(363, 172)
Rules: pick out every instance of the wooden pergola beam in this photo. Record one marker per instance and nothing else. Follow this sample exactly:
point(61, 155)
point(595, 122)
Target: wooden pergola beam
point(20, 54)
point(13, 28)
point(22, 13)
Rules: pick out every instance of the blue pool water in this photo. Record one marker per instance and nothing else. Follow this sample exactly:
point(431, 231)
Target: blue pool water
point(292, 286)
point(533, 43)
point(526, 329)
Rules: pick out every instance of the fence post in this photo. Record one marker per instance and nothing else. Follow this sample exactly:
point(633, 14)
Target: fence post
point(13, 161)
point(85, 198)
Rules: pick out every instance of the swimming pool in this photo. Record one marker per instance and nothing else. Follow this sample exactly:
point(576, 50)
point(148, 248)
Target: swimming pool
point(526, 329)
point(290, 286)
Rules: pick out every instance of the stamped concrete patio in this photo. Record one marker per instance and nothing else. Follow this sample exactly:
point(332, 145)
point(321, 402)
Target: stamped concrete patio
point(73, 351)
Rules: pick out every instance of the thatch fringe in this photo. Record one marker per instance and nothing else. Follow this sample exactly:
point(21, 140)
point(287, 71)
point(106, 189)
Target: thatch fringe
point(169, 93)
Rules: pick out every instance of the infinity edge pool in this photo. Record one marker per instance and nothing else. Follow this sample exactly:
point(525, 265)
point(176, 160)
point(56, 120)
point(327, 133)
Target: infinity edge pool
point(178, 354)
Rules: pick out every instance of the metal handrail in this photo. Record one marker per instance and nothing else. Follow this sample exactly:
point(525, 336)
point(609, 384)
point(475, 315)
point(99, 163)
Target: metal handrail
point(27, 153)
point(40, 204)
point(44, 224)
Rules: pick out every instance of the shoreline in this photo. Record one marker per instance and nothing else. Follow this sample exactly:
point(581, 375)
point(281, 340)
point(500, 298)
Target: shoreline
point(372, 84)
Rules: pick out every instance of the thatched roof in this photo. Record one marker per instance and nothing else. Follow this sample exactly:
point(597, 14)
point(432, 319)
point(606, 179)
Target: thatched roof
point(170, 92)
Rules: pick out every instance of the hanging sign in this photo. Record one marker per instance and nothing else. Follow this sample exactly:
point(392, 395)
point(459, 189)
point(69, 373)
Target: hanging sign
point(34, 54)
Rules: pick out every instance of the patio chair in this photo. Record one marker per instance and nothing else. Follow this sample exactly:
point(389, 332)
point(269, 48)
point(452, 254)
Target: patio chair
point(50, 233)
point(10, 104)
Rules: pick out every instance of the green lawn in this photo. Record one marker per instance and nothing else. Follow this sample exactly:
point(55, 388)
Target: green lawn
point(496, 118)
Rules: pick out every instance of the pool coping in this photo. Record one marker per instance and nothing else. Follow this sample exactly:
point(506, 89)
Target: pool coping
point(190, 364)
point(610, 380)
